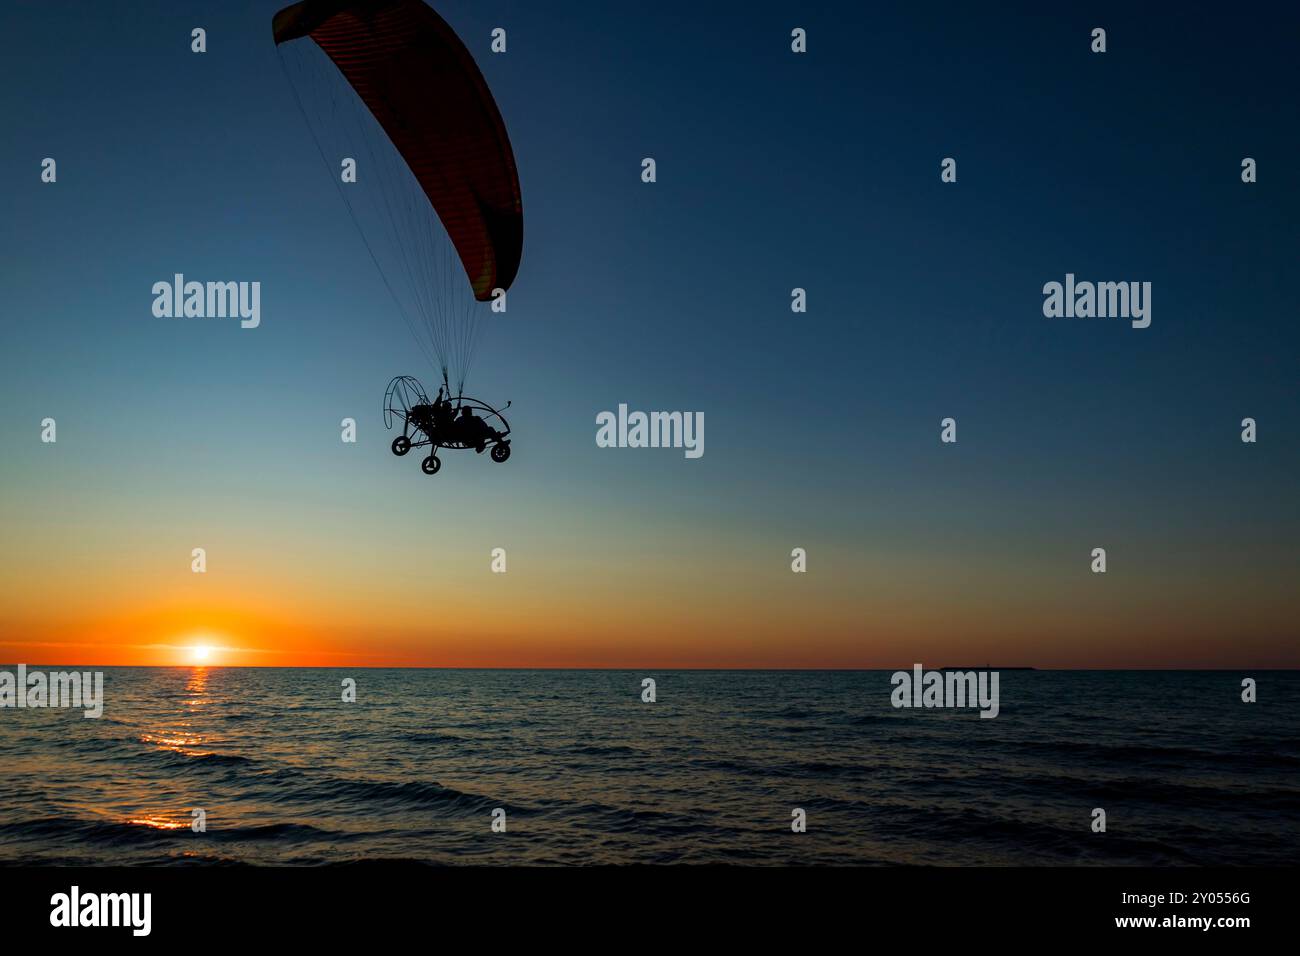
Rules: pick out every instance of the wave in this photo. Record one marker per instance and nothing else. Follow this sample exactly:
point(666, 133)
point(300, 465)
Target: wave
point(192, 762)
point(369, 796)
point(433, 737)
point(1139, 754)
point(62, 830)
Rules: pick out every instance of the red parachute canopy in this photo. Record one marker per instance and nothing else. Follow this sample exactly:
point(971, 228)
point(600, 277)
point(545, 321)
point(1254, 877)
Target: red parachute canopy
point(425, 90)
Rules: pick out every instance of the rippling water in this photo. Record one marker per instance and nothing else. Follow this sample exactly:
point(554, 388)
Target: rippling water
point(587, 773)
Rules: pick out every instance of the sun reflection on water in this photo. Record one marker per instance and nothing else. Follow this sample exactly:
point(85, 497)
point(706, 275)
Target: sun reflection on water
point(179, 736)
point(159, 823)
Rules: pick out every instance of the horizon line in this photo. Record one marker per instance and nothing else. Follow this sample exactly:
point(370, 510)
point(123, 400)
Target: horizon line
point(434, 667)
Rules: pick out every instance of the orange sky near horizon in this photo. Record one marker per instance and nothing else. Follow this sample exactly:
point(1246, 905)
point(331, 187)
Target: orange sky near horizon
point(785, 621)
point(102, 575)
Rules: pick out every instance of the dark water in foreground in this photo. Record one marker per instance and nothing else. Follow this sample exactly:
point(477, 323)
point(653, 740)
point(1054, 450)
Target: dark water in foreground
point(709, 774)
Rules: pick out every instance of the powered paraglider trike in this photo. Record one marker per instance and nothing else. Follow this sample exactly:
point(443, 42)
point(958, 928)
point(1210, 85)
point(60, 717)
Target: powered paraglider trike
point(457, 423)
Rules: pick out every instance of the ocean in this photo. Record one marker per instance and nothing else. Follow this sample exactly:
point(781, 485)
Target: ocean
point(711, 772)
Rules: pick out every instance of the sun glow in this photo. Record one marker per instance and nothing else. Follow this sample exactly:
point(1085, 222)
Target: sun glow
point(200, 653)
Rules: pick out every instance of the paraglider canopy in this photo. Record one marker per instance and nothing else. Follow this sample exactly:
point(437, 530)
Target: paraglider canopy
point(393, 96)
point(422, 85)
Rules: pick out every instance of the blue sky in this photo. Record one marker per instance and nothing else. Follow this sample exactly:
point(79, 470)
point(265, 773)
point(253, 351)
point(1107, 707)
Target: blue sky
point(774, 171)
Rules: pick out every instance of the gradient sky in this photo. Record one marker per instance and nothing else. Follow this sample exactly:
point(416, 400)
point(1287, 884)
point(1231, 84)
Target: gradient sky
point(822, 430)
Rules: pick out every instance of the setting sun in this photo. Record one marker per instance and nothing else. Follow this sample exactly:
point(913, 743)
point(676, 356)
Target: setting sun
point(200, 653)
